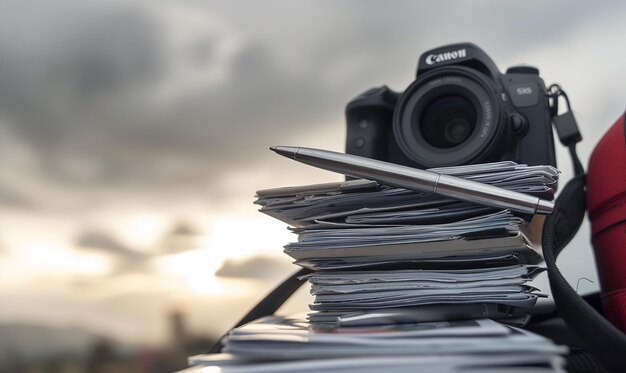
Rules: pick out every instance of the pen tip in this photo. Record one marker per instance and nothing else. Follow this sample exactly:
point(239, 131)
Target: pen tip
point(285, 151)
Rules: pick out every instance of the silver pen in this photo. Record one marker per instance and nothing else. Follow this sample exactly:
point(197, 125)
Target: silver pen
point(416, 179)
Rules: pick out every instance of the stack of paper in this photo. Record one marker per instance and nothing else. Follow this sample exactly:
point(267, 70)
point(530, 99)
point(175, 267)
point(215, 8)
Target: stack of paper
point(487, 238)
point(278, 344)
point(457, 257)
point(453, 293)
point(404, 281)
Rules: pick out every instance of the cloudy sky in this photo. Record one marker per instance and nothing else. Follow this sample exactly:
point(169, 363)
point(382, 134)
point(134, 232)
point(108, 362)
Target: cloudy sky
point(133, 136)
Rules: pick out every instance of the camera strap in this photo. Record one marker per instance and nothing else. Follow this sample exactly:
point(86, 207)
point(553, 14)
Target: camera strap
point(270, 304)
point(603, 340)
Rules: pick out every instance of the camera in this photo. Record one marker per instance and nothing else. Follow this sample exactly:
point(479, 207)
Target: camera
point(459, 110)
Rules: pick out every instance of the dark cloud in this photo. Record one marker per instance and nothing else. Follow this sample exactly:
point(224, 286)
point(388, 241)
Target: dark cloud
point(100, 241)
point(82, 94)
point(182, 236)
point(10, 198)
point(256, 267)
point(56, 70)
point(80, 106)
point(183, 229)
point(126, 258)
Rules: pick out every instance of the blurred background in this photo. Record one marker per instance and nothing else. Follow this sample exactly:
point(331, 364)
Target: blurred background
point(134, 134)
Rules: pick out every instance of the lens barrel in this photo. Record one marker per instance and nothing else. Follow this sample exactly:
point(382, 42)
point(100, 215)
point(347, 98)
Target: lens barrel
point(450, 116)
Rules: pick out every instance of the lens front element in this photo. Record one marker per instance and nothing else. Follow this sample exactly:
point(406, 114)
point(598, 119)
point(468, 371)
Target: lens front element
point(448, 121)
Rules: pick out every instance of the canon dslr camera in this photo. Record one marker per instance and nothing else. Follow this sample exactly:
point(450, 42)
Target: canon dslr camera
point(459, 110)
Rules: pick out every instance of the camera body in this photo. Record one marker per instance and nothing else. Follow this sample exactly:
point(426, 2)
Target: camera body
point(459, 110)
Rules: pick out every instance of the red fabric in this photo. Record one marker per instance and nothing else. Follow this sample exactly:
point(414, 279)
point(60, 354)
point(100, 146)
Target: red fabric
point(606, 203)
point(606, 180)
point(610, 250)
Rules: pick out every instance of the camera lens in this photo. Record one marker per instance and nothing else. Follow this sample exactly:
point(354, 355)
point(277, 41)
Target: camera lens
point(450, 116)
point(448, 121)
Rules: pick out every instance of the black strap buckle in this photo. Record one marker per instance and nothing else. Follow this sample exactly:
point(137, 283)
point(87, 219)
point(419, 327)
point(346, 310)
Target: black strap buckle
point(565, 123)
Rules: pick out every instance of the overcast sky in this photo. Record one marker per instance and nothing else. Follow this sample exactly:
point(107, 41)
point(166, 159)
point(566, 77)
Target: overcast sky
point(156, 115)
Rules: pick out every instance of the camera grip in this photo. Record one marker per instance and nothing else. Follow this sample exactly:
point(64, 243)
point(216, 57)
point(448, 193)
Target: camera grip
point(368, 118)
